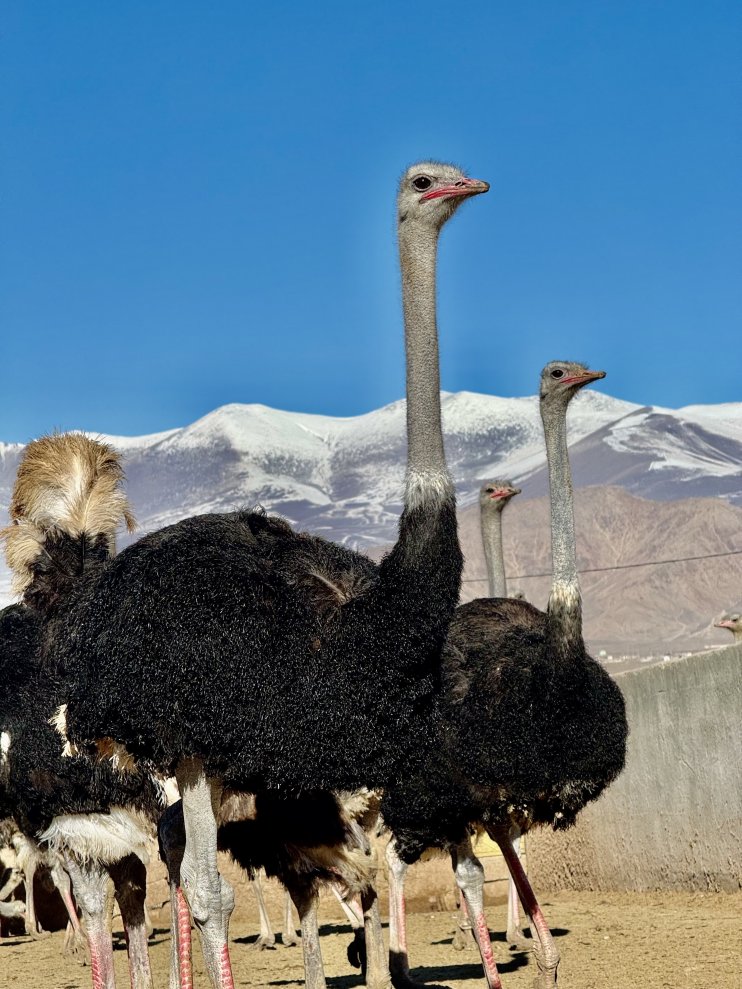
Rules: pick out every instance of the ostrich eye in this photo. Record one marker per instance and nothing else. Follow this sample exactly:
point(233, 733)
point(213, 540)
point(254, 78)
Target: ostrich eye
point(421, 183)
point(557, 373)
point(490, 490)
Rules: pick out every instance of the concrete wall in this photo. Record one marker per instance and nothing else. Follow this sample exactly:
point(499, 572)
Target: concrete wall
point(673, 820)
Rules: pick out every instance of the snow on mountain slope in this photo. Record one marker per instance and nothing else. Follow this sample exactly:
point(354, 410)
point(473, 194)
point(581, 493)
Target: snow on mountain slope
point(343, 477)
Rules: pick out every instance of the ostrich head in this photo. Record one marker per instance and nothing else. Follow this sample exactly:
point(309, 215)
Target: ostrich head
point(561, 380)
point(432, 191)
point(733, 623)
point(494, 495)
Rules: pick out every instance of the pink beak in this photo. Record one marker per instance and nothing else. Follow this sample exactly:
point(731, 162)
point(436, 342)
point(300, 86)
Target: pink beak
point(583, 378)
point(463, 187)
point(722, 625)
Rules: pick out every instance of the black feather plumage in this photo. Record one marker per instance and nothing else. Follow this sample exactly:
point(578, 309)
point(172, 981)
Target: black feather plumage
point(218, 637)
point(520, 736)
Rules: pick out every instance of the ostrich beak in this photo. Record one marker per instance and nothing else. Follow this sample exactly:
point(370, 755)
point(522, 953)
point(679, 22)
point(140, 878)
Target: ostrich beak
point(461, 188)
point(504, 493)
point(584, 379)
point(722, 624)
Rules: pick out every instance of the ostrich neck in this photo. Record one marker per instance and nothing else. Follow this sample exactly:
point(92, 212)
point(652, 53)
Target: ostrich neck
point(492, 541)
point(427, 475)
point(565, 604)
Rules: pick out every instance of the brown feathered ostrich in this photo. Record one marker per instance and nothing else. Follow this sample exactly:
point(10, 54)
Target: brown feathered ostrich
point(95, 818)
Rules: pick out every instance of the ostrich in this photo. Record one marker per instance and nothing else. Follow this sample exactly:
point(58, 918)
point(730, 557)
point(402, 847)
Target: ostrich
point(305, 840)
point(494, 497)
point(531, 728)
point(94, 817)
point(734, 624)
point(238, 654)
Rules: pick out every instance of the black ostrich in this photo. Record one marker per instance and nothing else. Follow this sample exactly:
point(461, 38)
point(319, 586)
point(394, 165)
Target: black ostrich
point(89, 815)
point(530, 727)
point(232, 652)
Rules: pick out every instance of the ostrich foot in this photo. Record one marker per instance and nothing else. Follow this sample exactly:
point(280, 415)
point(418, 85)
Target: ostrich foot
point(547, 973)
point(76, 945)
point(403, 980)
point(38, 934)
point(463, 939)
point(545, 980)
point(264, 941)
point(517, 940)
point(289, 940)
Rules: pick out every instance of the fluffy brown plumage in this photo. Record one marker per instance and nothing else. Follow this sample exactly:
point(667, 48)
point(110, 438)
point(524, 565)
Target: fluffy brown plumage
point(67, 485)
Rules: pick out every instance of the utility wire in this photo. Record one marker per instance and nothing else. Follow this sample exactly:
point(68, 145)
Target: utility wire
point(618, 566)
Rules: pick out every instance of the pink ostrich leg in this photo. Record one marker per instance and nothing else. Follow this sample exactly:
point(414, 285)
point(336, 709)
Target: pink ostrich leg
point(209, 896)
point(547, 956)
point(90, 882)
point(470, 879)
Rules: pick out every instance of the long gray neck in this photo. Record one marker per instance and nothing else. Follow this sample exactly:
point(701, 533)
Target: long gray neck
point(428, 479)
point(491, 519)
point(565, 602)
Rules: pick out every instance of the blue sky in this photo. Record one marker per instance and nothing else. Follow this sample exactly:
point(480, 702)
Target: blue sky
point(198, 201)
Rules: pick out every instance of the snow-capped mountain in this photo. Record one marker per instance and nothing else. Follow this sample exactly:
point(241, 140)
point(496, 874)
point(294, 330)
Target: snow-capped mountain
point(343, 477)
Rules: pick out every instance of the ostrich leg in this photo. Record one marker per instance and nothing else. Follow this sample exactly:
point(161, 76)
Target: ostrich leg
point(130, 883)
point(463, 937)
point(377, 967)
point(470, 879)
point(515, 937)
point(13, 908)
point(288, 938)
point(545, 951)
point(305, 901)
point(12, 883)
point(399, 963)
point(74, 939)
point(29, 871)
point(354, 919)
point(172, 844)
point(209, 896)
point(266, 938)
point(90, 884)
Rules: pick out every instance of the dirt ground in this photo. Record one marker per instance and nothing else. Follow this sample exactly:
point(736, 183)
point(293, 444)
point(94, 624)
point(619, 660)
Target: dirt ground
point(607, 941)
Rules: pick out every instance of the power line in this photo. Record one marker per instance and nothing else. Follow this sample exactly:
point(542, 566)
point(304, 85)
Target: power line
point(618, 566)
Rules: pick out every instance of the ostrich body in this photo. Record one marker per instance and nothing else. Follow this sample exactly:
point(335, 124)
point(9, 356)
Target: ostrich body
point(531, 728)
point(734, 624)
point(235, 653)
point(89, 816)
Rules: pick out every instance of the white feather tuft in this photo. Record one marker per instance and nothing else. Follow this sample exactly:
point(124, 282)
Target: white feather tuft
point(105, 838)
point(427, 488)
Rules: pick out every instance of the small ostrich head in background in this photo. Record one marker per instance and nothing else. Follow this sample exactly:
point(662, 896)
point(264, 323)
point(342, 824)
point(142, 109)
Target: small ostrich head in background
point(733, 623)
point(432, 191)
point(495, 495)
